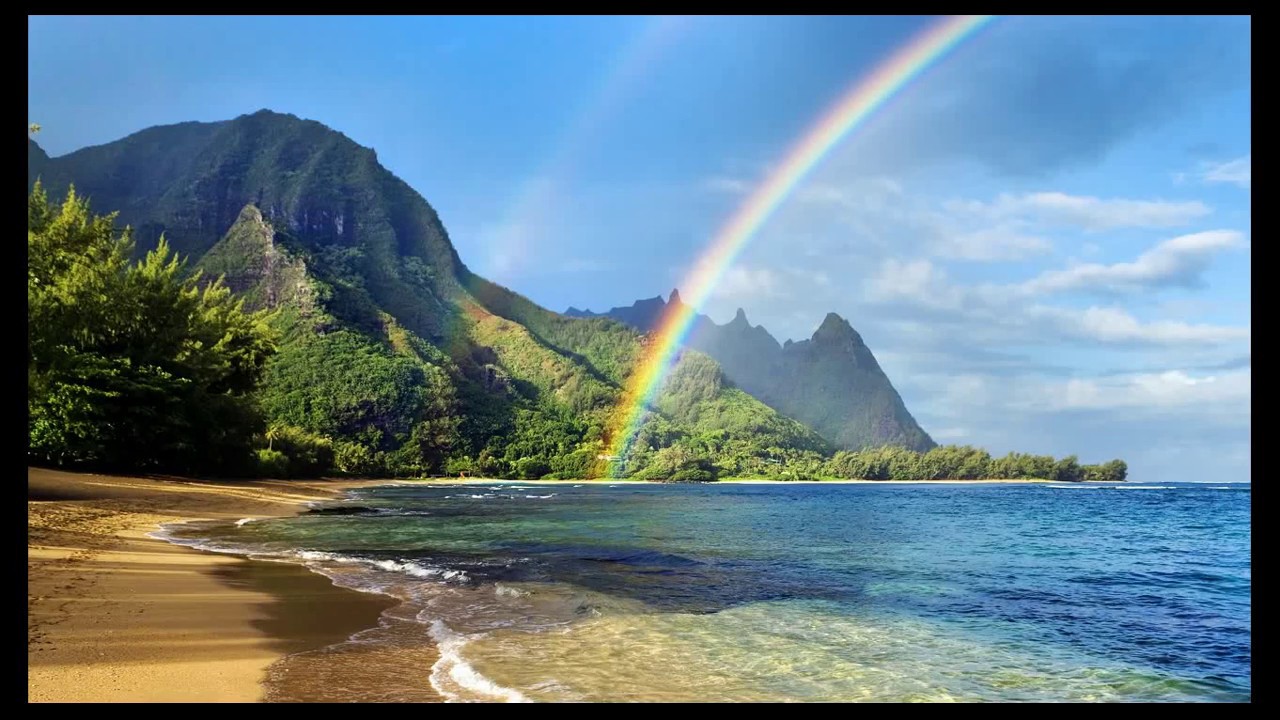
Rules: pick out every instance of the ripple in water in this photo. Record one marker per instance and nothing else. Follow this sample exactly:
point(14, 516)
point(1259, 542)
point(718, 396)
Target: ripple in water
point(793, 593)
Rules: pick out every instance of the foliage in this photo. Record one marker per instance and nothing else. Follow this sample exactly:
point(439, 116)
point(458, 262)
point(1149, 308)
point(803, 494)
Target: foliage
point(398, 409)
point(271, 463)
point(306, 454)
point(393, 358)
point(952, 462)
point(133, 365)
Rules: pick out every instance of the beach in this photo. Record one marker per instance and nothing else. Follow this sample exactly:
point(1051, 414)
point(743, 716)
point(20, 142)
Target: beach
point(118, 615)
point(114, 615)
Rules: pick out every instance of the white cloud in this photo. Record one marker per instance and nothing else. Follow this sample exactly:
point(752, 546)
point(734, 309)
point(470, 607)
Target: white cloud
point(918, 282)
point(1178, 261)
point(1172, 388)
point(1008, 357)
point(724, 184)
point(1235, 172)
point(744, 282)
point(992, 244)
point(1089, 213)
point(1000, 313)
point(1114, 325)
point(864, 194)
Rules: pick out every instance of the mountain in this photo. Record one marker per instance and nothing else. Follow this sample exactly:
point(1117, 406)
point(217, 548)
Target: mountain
point(389, 345)
point(830, 382)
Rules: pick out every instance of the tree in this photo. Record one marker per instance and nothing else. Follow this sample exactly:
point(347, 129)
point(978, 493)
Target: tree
point(133, 365)
point(1067, 470)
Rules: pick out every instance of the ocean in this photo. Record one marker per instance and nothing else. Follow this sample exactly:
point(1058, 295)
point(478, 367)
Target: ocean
point(774, 592)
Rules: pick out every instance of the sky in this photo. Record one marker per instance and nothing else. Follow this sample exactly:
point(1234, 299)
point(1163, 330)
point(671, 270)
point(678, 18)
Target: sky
point(1045, 238)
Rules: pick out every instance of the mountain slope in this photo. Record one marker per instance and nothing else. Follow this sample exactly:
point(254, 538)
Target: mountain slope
point(831, 381)
point(389, 345)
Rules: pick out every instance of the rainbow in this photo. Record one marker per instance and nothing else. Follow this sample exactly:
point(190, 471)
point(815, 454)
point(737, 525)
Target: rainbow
point(859, 103)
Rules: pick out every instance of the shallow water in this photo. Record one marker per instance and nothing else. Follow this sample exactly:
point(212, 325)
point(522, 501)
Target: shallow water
point(792, 592)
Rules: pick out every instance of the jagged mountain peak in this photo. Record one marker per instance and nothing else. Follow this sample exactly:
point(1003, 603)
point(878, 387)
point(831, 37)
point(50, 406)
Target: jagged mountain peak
point(830, 381)
point(834, 327)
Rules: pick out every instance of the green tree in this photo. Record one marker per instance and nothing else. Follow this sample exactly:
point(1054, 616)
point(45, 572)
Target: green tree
point(133, 365)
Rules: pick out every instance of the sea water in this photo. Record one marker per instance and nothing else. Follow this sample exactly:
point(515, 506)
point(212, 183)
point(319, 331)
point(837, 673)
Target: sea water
point(780, 592)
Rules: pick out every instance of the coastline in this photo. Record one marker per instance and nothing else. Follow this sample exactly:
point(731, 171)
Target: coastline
point(733, 481)
point(116, 616)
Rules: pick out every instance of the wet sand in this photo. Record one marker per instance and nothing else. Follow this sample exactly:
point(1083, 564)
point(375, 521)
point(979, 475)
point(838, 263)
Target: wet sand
point(119, 617)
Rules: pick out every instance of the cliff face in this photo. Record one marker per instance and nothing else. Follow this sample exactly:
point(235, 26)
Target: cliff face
point(191, 181)
point(254, 264)
point(830, 382)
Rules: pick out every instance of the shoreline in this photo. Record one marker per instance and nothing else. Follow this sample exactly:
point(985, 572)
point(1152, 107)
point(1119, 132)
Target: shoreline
point(114, 615)
point(736, 481)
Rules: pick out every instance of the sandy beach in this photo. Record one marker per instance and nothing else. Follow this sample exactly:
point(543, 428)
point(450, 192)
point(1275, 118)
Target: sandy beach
point(116, 616)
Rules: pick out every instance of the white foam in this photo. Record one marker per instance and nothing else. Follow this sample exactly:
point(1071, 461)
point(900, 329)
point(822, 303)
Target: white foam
point(453, 671)
point(317, 555)
point(540, 497)
point(163, 532)
point(406, 567)
point(507, 591)
point(1144, 487)
point(244, 521)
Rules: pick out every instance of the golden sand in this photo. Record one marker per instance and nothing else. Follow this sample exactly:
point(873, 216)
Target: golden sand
point(116, 616)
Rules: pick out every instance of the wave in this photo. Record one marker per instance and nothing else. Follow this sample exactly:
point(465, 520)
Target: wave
point(452, 673)
point(245, 521)
point(165, 532)
point(540, 497)
point(404, 567)
point(507, 591)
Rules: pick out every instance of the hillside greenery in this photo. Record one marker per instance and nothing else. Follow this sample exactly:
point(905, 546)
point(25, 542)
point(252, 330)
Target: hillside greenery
point(328, 327)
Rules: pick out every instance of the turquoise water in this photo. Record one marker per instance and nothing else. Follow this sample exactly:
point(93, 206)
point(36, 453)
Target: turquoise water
point(794, 592)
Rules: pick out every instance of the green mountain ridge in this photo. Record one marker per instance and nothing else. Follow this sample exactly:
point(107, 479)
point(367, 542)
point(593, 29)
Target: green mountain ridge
point(389, 345)
point(830, 381)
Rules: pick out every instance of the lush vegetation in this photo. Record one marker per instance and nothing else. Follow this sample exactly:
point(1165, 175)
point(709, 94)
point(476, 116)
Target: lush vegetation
point(952, 462)
point(329, 327)
point(131, 364)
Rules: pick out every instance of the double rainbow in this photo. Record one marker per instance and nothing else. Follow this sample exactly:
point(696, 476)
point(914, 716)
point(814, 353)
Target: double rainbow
point(853, 109)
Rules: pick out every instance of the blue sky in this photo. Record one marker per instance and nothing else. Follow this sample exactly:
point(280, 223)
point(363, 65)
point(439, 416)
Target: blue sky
point(1045, 239)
